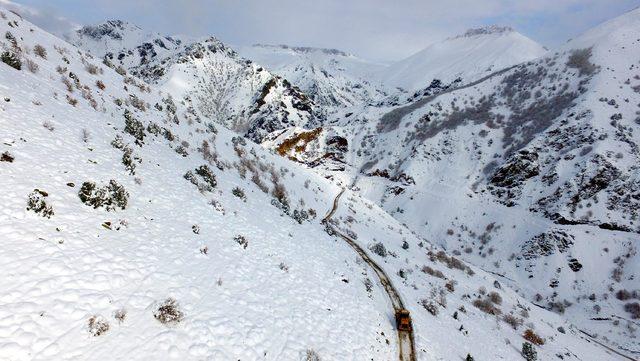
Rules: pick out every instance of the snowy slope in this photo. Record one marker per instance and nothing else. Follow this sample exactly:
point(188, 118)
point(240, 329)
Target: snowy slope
point(531, 173)
point(470, 56)
point(212, 77)
point(199, 248)
point(332, 78)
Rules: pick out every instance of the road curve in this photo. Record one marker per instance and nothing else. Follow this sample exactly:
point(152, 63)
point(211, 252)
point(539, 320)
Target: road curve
point(406, 342)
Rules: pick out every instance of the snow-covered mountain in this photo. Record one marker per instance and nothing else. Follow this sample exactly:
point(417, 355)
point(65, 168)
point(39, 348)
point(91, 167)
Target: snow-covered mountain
point(330, 77)
point(531, 173)
point(134, 226)
point(470, 56)
point(212, 77)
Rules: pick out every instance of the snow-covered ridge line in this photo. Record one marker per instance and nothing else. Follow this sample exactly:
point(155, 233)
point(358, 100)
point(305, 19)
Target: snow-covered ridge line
point(304, 49)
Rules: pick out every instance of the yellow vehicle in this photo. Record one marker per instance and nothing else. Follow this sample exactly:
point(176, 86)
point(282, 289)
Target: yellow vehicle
point(403, 320)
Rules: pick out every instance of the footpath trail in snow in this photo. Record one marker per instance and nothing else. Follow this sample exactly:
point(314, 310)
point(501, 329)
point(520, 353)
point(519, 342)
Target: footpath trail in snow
point(406, 343)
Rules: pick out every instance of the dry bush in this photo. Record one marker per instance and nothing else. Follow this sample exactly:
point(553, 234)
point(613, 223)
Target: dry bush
point(169, 312)
point(433, 272)
point(40, 51)
point(100, 84)
point(512, 321)
point(486, 306)
point(311, 355)
point(32, 66)
point(532, 337)
point(495, 298)
point(634, 309)
point(68, 84)
point(98, 326)
point(120, 315)
point(91, 69)
point(71, 100)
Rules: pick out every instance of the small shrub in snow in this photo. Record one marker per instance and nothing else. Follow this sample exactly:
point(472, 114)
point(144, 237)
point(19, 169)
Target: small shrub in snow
point(120, 70)
point(130, 161)
point(120, 315)
point(430, 306)
point(100, 84)
point(48, 126)
point(433, 272)
point(91, 69)
point(40, 51)
point(532, 337)
point(486, 306)
point(110, 196)
point(85, 135)
point(98, 325)
point(71, 100)
point(283, 267)
point(633, 309)
point(495, 297)
point(207, 175)
point(529, 352)
point(512, 321)
point(37, 203)
point(195, 228)
point(32, 66)
point(241, 240)
point(238, 192)
point(581, 59)
point(182, 150)
point(379, 249)
point(11, 59)
point(7, 157)
point(300, 216)
point(133, 126)
point(311, 355)
point(68, 84)
point(469, 358)
point(169, 312)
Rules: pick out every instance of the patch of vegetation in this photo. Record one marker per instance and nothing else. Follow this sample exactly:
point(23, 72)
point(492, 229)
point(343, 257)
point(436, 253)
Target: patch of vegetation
point(11, 59)
point(241, 240)
point(97, 325)
point(529, 352)
point(7, 157)
point(581, 59)
point(38, 204)
point(532, 337)
point(168, 312)
point(485, 305)
point(133, 126)
point(40, 51)
point(379, 249)
point(110, 196)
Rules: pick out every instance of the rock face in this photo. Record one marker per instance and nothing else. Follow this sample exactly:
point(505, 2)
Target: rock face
point(519, 168)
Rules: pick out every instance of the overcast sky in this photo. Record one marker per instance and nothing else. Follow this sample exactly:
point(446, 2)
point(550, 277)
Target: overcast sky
point(374, 29)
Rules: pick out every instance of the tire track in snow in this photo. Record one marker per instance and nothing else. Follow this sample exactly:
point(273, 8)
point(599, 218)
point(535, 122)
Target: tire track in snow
point(406, 342)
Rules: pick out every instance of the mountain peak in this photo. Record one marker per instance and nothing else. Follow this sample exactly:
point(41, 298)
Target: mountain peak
point(113, 29)
point(486, 30)
point(304, 49)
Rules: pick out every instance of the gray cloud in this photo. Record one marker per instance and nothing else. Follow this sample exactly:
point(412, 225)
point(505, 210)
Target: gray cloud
point(377, 29)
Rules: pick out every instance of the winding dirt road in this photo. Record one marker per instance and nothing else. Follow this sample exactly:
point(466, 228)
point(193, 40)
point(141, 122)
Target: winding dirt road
point(406, 343)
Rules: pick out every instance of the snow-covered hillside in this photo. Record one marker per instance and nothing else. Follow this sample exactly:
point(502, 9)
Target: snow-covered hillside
point(332, 78)
point(531, 173)
point(212, 77)
point(469, 56)
point(133, 227)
